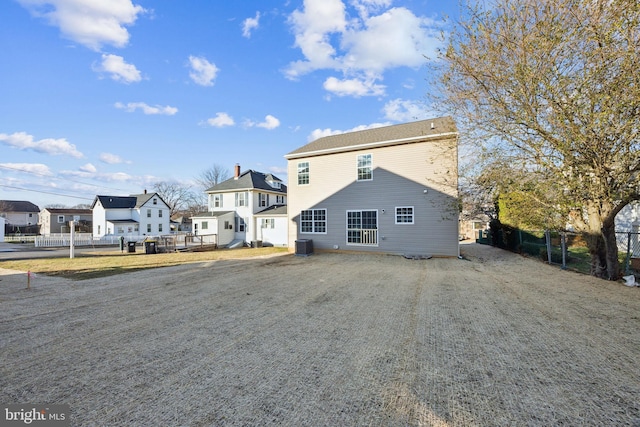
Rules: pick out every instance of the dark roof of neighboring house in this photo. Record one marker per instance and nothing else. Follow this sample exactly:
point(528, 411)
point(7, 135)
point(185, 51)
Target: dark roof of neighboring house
point(249, 180)
point(116, 202)
point(274, 210)
point(69, 211)
point(396, 134)
point(125, 202)
point(18, 206)
point(122, 221)
point(211, 214)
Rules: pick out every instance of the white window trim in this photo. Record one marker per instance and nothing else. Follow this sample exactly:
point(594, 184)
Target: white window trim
point(308, 174)
point(413, 215)
point(346, 232)
point(326, 222)
point(358, 168)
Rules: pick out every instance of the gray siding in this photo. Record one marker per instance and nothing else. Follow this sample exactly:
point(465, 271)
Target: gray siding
point(401, 174)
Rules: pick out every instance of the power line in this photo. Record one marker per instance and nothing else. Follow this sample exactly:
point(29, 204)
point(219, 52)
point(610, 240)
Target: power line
point(44, 192)
point(58, 177)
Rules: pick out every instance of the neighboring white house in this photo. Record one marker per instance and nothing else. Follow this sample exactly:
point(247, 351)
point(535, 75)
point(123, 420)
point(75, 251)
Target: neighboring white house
point(237, 208)
point(272, 225)
point(391, 189)
point(628, 221)
point(133, 216)
point(20, 216)
point(56, 220)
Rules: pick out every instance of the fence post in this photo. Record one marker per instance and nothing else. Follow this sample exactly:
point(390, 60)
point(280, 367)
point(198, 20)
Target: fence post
point(547, 236)
point(627, 260)
point(563, 240)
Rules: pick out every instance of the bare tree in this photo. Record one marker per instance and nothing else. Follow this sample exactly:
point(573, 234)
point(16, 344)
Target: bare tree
point(212, 176)
point(554, 86)
point(175, 194)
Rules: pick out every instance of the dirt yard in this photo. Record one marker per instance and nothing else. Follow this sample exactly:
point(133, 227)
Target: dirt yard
point(329, 340)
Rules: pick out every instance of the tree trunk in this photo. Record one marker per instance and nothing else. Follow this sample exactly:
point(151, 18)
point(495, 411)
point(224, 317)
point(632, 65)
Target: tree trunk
point(596, 245)
point(611, 251)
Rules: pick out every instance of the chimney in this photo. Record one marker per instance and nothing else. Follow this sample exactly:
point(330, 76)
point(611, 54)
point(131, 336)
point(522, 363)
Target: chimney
point(237, 171)
point(433, 125)
point(145, 191)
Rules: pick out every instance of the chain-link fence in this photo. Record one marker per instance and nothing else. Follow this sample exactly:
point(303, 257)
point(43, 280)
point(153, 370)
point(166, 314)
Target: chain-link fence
point(568, 250)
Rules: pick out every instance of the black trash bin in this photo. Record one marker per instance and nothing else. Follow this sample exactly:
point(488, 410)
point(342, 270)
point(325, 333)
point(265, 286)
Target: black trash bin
point(131, 247)
point(150, 247)
point(304, 247)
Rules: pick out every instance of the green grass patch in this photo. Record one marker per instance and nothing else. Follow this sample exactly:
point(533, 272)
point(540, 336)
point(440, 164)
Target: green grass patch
point(102, 264)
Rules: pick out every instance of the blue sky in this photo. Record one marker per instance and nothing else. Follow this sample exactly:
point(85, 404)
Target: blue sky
point(110, 96)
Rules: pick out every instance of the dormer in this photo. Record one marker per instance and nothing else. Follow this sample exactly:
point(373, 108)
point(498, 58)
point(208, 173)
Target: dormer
point(273, 181)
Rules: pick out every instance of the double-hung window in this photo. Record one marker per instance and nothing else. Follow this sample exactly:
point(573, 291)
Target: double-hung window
point(263, 200)
point(303, 173)
point(217, 200)
point(242, 199)
point(60, 219)
point(404, 215)
point(148, 213)
point(313, 221)
point(279, 199)
point(268, 223)
point(365, 172)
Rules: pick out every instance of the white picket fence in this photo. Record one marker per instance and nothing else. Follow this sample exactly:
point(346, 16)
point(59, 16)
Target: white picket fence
point(80, 239)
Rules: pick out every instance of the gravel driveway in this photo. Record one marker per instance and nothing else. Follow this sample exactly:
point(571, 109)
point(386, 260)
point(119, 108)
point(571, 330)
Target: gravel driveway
point(328, 340)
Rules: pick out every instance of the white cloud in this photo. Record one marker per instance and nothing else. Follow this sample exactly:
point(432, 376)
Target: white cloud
point(202, 72)
point(402, 110)
point(88, 22)
point(34, 168)
point(146, 109)
point(376, 40)
point(250, 24)
point(395, 38)
point(270, 122)
point(89, 168)
point(313, 27)
point(353, 87)
point(319, 133)
point(24, 141)
point(221, 120)
point(111, 159)
point(120, 71)
point(117, 176)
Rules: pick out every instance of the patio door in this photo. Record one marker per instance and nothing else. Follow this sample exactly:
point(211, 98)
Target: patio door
point(362, 227)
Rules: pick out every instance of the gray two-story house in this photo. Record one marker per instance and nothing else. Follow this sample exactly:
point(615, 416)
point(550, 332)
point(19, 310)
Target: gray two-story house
point(391, 189)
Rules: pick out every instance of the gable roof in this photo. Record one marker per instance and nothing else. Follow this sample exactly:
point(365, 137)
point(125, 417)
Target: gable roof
point(125, 202)
point(116, 202)
point(273, 210)
point(18, 206)
point(249, 180)
point(145, 197)
point(381, 136)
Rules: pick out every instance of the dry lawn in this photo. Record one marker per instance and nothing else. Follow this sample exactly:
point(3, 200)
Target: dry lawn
point(328, 340)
